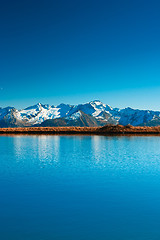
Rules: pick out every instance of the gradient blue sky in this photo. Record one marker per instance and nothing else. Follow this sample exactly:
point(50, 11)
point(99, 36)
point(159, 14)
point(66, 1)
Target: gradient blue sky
point(75, 51)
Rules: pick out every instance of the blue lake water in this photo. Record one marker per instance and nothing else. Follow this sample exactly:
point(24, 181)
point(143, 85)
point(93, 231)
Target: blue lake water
point(79, 187)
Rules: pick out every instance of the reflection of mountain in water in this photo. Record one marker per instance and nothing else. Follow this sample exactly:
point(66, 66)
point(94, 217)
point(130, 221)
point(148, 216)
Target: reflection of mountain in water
point(44, 148)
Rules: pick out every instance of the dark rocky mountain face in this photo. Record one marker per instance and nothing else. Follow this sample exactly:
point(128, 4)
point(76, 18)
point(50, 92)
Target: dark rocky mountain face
point(83, 120)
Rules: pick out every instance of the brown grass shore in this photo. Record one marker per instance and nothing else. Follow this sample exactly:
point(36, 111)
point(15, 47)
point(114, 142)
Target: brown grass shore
point(106, 130)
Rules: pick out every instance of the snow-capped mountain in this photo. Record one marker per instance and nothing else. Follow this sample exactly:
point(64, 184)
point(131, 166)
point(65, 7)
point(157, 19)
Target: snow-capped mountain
point(78, 118)
point(94, 113)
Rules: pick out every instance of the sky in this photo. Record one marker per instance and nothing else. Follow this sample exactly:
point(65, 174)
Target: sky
point(75, 51)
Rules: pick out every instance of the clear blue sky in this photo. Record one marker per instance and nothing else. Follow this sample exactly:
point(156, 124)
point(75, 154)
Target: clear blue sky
point(74, 51)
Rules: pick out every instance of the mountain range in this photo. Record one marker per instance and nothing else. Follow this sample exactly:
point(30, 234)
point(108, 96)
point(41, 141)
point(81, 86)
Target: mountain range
point(91, 114)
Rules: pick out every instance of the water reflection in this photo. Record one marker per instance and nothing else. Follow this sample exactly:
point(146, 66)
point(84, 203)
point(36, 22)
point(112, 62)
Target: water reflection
point(42, 148)
point(45, 153)
point(21, 146)
point(96, 147)
point(71, 187)
point(117, 154)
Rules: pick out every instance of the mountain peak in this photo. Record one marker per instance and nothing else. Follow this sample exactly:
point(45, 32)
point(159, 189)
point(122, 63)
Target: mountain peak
point(97, 102)
point(33, 106)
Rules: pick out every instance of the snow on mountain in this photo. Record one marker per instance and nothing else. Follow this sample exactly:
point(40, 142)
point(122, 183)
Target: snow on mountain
point(102, 113)
point(136, 117)
point(39, 113)
point(64, 109)
point(5, 111)
point(74, 116)
point(93, 108)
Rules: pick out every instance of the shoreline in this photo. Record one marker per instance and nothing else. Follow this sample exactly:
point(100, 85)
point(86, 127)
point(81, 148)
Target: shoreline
point(105, 130)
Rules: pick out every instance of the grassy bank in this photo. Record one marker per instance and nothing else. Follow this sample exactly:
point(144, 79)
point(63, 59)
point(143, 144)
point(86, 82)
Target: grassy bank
point(106, 130)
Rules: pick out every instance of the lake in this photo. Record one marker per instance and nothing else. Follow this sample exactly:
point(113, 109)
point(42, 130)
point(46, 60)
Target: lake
point(79, 187)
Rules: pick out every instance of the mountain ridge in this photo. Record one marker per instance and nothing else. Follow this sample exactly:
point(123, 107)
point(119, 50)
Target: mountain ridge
point(91, 114)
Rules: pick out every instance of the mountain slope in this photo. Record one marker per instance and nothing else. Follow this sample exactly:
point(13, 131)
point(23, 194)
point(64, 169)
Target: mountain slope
point(8, 118)
point(78, 118)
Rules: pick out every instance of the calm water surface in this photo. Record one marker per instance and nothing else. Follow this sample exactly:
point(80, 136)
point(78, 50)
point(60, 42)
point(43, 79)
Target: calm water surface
point(79, 187)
